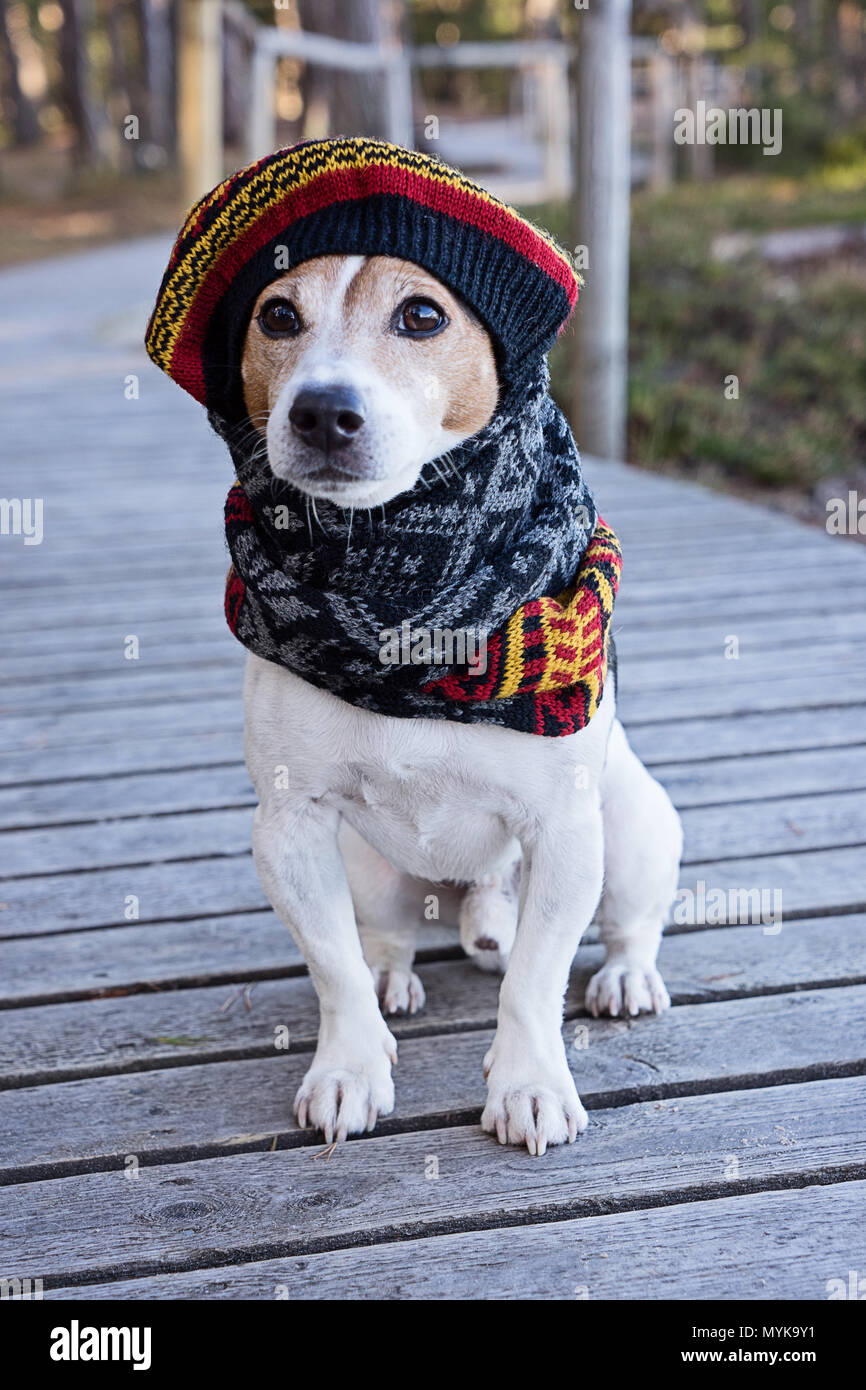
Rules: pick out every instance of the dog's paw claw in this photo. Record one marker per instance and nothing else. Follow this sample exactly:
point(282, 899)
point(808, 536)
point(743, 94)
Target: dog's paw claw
point(534, 1116)
point(399, 991)
point(623, 989)
point(344, 1100)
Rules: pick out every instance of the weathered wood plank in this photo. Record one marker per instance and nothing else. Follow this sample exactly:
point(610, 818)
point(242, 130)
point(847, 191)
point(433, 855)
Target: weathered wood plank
point(717, 736)
point(780, 824)
point(712, 963)
point(647, 673)
point(110, 798)
point(744, 779)
point(739, 582)
point(165, 892)
point(250, 946)
point(169, 752)
point(729, 609)
point(680, 640)
point(801, 885)
point(33, 734)
point(85, 660)
point(169, 631)
point(737, 698)
point(815, 1033)
point(252, 1205)
point(137, 840)
point(134, 685)
point(808, 883)
point(780, 1245)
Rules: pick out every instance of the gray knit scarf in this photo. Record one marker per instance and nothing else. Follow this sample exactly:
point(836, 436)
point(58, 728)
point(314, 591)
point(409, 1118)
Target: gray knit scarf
point(503, 519)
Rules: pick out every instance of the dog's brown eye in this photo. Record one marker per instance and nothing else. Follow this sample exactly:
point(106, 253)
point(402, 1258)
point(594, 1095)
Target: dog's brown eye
point(420, 318)
point(279, 318)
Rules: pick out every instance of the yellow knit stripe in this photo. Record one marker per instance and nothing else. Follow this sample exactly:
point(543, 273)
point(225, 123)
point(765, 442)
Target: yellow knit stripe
point(512, 666)
point(559, 673)
point(298, 170)
point(549, 679)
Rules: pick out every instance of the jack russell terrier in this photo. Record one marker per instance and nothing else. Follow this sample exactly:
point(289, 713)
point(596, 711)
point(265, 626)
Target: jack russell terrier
point(425, 588)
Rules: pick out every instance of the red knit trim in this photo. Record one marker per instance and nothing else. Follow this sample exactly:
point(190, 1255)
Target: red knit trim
point(234, 597)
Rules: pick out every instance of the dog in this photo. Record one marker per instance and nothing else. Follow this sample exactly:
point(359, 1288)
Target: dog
point(521, 841)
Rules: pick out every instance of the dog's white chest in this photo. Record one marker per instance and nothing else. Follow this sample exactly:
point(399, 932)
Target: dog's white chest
point(435, 823)
point(438, 800)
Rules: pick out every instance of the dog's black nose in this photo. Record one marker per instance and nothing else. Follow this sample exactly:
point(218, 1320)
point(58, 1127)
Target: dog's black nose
point(327, 417)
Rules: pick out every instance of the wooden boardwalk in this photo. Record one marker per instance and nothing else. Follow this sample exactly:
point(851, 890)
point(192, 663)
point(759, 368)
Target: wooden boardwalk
point(145, 1125)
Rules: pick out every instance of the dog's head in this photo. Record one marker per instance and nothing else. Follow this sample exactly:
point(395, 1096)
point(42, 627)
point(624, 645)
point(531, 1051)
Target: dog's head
point(359, 370)
point(345, 298)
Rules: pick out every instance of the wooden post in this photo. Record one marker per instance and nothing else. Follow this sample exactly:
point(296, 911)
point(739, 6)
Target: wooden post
point(200, 115)
point(262, 119)
point(699, 89)
point(398, 92)
point(603, 192)
point(553, 102)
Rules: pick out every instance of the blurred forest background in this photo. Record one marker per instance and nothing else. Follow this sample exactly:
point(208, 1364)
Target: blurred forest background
point(741, 263)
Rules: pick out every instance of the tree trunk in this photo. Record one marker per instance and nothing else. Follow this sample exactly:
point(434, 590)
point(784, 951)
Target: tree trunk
point(74, 69)
point(20, 109)
point(751, 19)
point(154, 26)
point(349, 103)
point(603, 190)
point(199, 72)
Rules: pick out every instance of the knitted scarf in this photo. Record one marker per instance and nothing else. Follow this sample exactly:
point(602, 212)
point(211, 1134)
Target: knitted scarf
point(497, 550)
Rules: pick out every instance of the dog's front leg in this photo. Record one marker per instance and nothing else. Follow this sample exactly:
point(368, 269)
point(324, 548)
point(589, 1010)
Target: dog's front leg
point(532, 1098)
point(298, 861)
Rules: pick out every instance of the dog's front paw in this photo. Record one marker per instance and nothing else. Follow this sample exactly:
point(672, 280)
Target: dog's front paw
point(625, 987)
point(538, 1112)
point(399, 991)
point(347, 1098)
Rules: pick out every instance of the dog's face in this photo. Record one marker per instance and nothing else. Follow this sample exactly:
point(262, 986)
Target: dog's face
point(358, 371)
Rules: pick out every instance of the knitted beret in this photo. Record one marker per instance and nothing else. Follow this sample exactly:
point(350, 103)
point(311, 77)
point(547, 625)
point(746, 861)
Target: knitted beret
point(343, 197)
